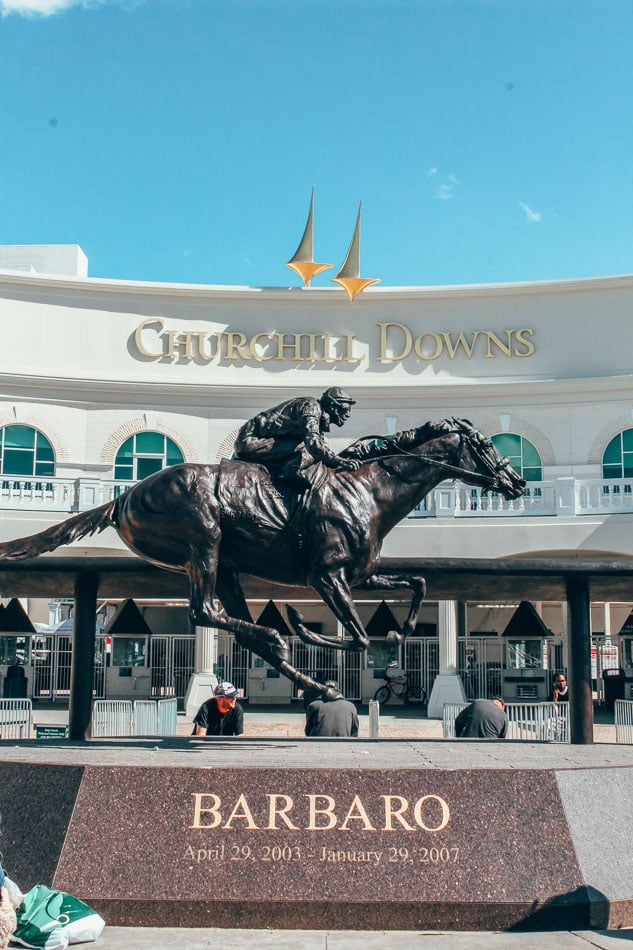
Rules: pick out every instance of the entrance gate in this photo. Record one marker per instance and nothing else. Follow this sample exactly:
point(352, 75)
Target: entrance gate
point(51, 656)
point(326, 663)
point(171, 661)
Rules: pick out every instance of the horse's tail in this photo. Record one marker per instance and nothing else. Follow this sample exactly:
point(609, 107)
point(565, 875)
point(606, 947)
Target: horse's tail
point(85, 523)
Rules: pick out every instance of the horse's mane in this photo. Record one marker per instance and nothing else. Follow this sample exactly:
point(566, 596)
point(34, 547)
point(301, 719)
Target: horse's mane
point(378, 446)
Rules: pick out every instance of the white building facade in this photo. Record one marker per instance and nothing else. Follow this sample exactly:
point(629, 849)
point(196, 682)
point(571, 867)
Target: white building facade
point(105, 381)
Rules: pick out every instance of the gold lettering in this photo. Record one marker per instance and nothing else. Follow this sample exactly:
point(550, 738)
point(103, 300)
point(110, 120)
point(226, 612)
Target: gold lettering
point(236, 343)
point(200, 340)
point(199, 810)
point(390, 812)
point(520, 338)
point(361, 815)
point(177, 339)
point(282, 812)
point(349, 349)
point(294, 347)
point(452, 348)
point(419, 346)
point(254, 347)
point(384, 355)
point(417, 813)
point(138, 337)
point(506, 349)
point(241, 810)
point(328, 810)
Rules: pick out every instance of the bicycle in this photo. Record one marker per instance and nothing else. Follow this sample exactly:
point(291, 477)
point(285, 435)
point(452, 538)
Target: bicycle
point(397, 684)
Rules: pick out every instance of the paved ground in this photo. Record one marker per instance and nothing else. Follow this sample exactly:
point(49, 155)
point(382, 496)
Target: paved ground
point(127, 938)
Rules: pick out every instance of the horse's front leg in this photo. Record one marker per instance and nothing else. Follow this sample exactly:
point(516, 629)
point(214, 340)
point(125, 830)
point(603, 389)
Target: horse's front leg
point(336, 593)
point(416, 584)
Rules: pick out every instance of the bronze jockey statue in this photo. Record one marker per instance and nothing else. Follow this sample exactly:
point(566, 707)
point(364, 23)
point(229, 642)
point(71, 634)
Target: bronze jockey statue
point(289, 438)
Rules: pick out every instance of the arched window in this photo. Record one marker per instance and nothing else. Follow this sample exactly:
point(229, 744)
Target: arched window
point(617, 461)
point(25, 451)
point(524, 457)
point(143, 454)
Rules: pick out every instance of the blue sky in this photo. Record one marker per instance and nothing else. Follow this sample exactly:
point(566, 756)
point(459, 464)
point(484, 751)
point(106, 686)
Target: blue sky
point(179, 140)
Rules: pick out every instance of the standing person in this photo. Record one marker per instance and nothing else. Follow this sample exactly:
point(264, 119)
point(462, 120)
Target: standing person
point(221, 715)
point(331, 714)
point(560, 692)
point(483, 719)
point(289, 438)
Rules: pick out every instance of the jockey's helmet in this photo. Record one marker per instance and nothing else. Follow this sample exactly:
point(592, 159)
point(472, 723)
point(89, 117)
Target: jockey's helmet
point(338, 397)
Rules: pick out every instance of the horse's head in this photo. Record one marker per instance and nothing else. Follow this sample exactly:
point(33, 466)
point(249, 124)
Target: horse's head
point(476, 456)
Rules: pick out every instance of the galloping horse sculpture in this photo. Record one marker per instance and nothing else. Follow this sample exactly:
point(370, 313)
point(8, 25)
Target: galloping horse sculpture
point(213, 522)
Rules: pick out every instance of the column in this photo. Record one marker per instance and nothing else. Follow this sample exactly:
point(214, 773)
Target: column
point(204, 680)
point(579, 636)
point(447, 687)
point(83, 657)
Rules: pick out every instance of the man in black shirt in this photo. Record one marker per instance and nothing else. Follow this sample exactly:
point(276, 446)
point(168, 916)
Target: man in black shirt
point(221, 715)
point(483, 719)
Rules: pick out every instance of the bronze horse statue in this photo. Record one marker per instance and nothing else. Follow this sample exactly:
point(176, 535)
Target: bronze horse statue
point(213, 522)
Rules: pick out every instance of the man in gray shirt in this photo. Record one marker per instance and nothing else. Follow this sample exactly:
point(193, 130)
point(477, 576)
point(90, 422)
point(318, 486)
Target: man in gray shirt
point(331, 714)
point(483, 719)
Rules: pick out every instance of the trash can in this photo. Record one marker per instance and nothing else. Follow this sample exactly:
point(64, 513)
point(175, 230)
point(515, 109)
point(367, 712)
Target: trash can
point(613, 682)
point(15, 683)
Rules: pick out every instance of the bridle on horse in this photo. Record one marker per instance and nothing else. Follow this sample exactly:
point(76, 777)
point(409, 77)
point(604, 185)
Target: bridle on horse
point(489, 482)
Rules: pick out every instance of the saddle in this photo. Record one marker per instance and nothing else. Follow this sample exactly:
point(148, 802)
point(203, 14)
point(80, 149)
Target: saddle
point(247, 493)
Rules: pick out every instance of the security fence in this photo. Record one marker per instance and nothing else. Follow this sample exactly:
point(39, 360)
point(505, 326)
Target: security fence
point(16, 718)
point(531, 722)
point(114, 718)
point(624, 721)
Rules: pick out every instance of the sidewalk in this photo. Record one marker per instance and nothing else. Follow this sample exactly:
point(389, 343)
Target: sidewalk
point(151, 938)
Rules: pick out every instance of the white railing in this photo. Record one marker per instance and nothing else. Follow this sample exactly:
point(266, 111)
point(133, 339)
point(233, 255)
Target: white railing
point(562, 497)
point(112, 718)
point(155, 718)
point(49, 494)
point(559, 497)
point(121, 718)
point(530, 722)
point(16, 718)
point(624, 721)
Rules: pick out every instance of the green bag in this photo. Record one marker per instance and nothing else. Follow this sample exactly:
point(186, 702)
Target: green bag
point(52, 919)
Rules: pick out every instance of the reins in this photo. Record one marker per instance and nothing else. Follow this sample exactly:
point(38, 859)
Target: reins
point(486, 481)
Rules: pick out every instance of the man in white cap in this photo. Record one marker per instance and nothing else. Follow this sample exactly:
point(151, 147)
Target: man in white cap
point(221, 715)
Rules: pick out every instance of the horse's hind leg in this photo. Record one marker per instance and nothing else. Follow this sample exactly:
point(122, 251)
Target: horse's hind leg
point(413, 582)
point(266, 642)
point(335, 591)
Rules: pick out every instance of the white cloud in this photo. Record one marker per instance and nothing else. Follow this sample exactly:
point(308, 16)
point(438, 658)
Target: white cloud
point(446, 188)
point(44, 8)
point(530, 214)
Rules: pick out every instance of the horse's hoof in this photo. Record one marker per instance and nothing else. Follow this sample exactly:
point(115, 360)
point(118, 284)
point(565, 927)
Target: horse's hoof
point(393, 638)
point(295, 618)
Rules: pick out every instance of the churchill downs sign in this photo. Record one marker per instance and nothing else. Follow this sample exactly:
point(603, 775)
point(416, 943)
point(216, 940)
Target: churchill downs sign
point(153, 339)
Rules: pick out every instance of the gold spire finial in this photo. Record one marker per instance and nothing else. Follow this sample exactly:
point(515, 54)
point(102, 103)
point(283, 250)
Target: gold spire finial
point(302, 261)
point(349, 274)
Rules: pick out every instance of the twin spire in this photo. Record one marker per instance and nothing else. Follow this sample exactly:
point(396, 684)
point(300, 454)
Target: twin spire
point(348, 276)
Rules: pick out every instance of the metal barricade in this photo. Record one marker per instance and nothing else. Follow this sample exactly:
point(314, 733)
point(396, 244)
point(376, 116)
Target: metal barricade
point(112, 718)
point(167, 716)
point(16, 718)
point(121, 718)
point(527, 722)
point(623, 709)
point(449, 714)
point(145, 717)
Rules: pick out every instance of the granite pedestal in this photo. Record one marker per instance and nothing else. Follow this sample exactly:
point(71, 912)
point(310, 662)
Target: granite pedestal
point(328, 834)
